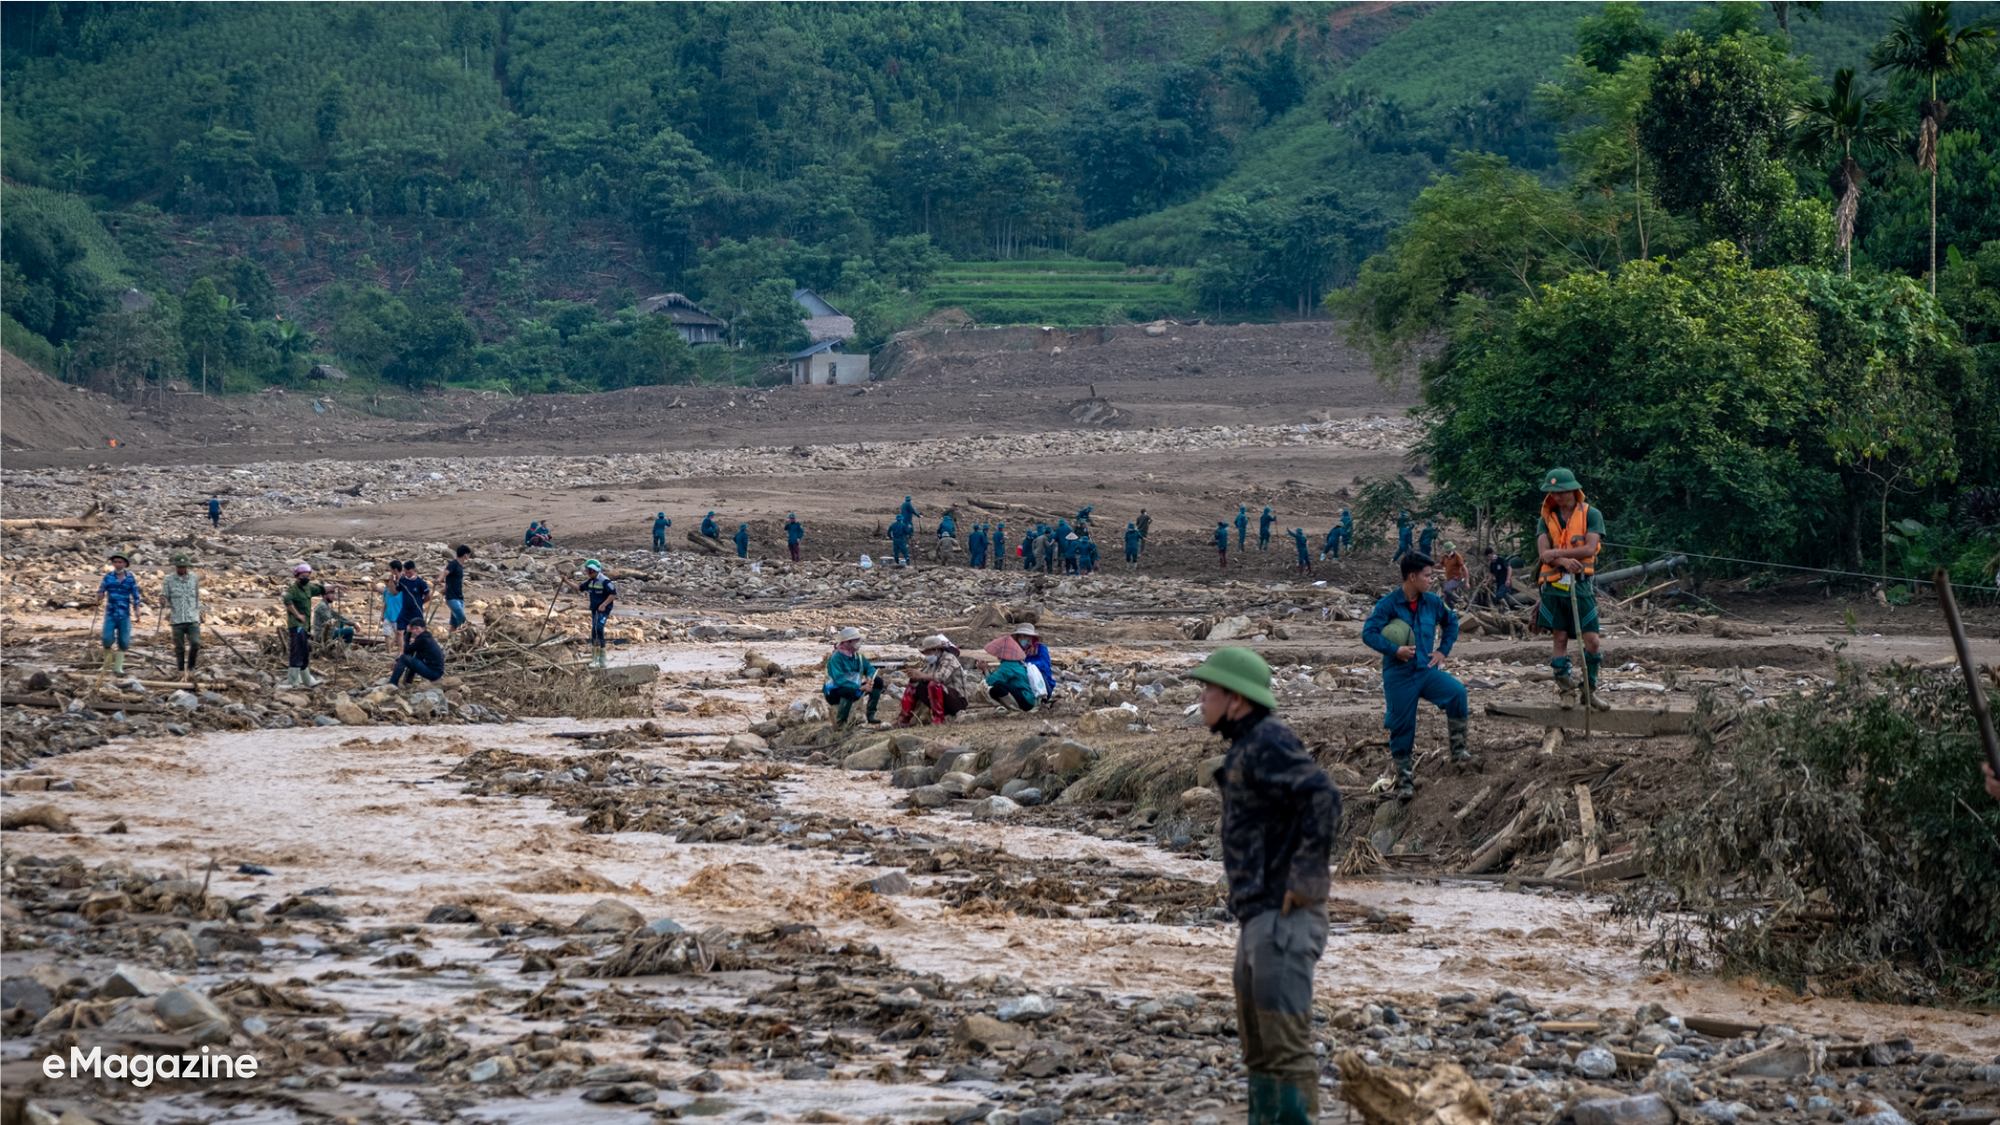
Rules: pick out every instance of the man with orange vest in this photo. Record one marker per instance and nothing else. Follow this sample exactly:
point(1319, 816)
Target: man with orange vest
point(1571, 534)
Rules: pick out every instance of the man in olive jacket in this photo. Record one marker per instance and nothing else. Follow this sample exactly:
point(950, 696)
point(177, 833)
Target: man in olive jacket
point(1280, 814)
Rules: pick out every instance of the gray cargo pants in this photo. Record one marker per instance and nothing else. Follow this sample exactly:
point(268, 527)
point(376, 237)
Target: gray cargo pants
point(1275, 958)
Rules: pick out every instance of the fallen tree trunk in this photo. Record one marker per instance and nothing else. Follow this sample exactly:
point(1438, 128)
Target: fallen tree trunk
point(1495, 851)
point(704, 543)
point(92, 519)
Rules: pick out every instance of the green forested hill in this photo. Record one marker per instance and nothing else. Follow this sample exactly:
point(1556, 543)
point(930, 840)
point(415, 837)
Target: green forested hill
point(508, 177)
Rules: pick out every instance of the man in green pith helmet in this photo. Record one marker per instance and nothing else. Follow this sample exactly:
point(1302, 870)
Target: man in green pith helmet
point(181, 590)
point(1571, 535)
point(1280, 814)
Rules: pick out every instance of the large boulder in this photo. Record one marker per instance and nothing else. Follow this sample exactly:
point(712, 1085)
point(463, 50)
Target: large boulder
point(878, 756)
point(609, 916)
point(1008, 763)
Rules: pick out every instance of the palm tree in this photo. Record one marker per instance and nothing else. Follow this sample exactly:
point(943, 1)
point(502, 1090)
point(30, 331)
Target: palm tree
point(1833, 123)
point(1922, 45)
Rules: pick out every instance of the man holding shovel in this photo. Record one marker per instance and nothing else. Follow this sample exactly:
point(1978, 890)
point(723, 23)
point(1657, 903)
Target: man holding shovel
point(1572, 531)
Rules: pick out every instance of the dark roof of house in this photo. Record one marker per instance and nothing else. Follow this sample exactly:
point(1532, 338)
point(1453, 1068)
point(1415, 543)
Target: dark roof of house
point(823, 345)
point(815, 305)
point(679, 309)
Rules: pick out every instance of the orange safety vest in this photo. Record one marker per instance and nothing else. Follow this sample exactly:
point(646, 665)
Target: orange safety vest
point(1565, 536)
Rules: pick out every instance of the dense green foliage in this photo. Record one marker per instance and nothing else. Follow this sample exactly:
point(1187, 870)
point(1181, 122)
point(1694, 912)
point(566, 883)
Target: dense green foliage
point(1679, 322)
point(1847, 848)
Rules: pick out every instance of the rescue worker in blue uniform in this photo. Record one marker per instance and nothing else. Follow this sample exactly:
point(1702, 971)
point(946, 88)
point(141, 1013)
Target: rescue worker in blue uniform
point(1410, 669)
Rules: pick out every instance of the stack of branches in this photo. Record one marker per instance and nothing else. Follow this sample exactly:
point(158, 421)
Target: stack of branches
point(1845, 842)
point(1150, 776)
point(560, 692)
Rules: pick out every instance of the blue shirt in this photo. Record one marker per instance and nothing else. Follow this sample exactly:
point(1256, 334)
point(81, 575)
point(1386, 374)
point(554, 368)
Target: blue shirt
point(1430, 616)
point(660, 525)
point(794, 531)
point(121, 593)
point(1222, 538)
point(708, 527)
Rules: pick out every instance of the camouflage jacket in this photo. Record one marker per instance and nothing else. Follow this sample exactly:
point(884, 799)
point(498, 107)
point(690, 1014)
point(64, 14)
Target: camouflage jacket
point(1280, 813)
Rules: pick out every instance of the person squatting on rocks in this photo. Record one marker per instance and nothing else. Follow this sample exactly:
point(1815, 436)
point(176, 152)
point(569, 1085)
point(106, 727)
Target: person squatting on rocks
point(939, 686)
point(181, 591)
point(1035, 654)
point(329, 624)
point(849, 675)
point(1403, 628)
point(452, 577)
point(709, 528)
point(118, 592)
point(660, 525)
point(1280, 815)
point(421, 657)
point(795, 533)
point(299, 597)
point(1009, 681)
point(1572, 530)
point(603, 599)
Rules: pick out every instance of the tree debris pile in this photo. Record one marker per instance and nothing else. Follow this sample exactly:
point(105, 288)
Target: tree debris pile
point(1846, 844)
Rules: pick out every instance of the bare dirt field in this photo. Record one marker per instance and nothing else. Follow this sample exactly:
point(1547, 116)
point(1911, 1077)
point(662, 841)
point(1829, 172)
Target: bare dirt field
point(532, 892)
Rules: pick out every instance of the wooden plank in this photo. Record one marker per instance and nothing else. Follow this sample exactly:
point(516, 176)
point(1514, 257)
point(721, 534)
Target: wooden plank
point(1572, 1027)
point(1624, 865)
point(1720, 1029)
point(1586, 815)
point(1644, 723)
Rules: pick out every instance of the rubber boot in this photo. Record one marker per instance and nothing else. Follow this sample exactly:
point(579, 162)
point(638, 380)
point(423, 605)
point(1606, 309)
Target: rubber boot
point(306, 677)
point(1565, 684)
point(1406, 776)
point(1591, 662)
point(845, 710)
point(1456, 726)
point(105, 666)
point(597, 656)
point(292, 678)
point(1298, 1099)
point(194, 653)
point(118, 663)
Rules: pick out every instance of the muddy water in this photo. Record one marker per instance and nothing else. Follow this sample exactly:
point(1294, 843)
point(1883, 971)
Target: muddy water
point(371, 813)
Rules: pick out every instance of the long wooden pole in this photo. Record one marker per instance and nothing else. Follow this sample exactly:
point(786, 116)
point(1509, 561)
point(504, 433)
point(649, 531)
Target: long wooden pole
point(1941, 579)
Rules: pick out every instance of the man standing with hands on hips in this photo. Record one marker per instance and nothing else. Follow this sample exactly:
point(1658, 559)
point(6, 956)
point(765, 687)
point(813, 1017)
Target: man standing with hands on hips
point(1280, 814)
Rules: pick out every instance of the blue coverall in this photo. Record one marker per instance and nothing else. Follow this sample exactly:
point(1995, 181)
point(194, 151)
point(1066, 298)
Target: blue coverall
point(1405, 682)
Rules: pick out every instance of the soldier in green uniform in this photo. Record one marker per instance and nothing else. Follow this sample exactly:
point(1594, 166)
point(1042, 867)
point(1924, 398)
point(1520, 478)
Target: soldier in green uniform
point(1572, 532)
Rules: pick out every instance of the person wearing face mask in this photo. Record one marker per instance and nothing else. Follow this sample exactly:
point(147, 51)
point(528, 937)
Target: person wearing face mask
point(939, 685)
point(1280, 815)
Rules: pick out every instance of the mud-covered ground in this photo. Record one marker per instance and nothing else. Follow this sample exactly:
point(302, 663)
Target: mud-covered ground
point(529, 893)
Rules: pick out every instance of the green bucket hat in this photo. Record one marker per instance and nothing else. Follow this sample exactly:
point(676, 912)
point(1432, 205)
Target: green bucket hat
point(1560, 480)
point(1241, 671)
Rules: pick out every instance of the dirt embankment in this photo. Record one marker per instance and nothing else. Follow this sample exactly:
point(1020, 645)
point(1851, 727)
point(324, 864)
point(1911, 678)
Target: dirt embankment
point(44, 414)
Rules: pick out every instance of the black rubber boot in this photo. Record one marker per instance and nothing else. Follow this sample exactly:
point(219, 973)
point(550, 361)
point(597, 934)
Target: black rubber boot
point(1457, 727)
point(1406, 777)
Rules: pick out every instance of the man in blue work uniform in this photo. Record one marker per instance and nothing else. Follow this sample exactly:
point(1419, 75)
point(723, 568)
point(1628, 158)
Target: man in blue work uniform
point(710, 528)
point(795, 532)
point(1131, 546)
point(1242, 526)
point(1050, 546)
point(1084, 557)
point(603, 599)
point(1221, 544)
point(999, 546)
point(899, 541)
point(660, 525)
point(1403, 546)
point(1280, 816)
point(947, 526)
point(742, 538)
point(1410, 669)
point(1083, 516)
point(1264, 523)
point(975, 547)
point(1070, 547)
point(215, 511)
point(909, 513)
point(1427, 539)
point(1304, 548)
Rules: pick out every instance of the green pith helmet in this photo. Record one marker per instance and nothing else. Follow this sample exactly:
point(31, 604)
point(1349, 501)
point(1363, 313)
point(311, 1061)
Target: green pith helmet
point(1399, 633)
point(121, 553)
point(1240, 671)
point(182, 558)
point(1560, 480)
